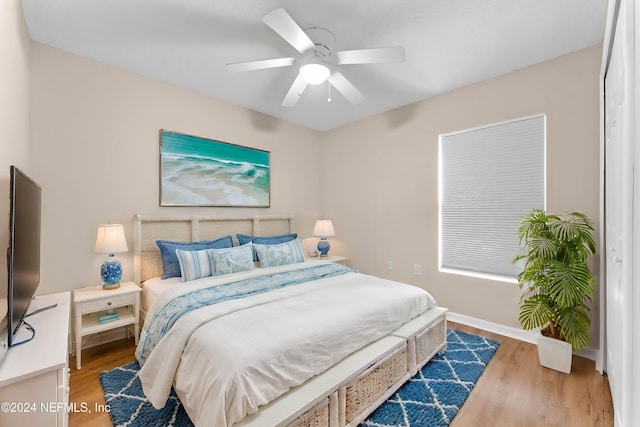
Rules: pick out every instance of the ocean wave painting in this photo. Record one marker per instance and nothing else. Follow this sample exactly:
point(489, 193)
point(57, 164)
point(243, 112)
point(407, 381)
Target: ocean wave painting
point(204, 172)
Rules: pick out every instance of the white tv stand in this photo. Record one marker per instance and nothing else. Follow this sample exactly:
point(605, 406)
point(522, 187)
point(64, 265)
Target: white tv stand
point(34, 376)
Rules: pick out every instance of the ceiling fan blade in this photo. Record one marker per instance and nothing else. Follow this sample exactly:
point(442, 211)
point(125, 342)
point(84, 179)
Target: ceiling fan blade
point(283, 24)
point(372, 56)
point(295, 92)
point(345, 87)
point(259, 65)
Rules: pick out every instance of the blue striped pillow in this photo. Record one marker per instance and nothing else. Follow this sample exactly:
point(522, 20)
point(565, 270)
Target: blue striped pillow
point(194, 264)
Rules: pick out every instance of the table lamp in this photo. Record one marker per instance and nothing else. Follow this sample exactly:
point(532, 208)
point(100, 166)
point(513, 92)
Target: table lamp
point(111, 240)
point(323, 228)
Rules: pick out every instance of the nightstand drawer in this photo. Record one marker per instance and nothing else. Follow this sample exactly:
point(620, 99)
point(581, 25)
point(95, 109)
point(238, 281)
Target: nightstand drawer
point(107, 303)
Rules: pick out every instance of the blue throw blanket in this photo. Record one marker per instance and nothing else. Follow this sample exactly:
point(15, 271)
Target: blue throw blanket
point(164, 318)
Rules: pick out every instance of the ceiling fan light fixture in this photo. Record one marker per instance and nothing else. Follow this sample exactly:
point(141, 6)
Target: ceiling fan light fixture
point(314, 72)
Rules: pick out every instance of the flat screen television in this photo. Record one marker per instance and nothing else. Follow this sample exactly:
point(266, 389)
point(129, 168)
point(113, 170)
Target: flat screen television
point(24, 249)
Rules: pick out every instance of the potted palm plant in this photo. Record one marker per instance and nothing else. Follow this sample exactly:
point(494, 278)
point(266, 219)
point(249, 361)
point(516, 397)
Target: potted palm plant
point(557, 282)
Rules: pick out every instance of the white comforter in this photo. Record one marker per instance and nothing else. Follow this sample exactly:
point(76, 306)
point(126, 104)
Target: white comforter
point(227, 359)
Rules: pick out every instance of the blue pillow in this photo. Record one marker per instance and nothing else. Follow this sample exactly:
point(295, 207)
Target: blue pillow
point(231, 260)
point(270, 240)
point(280, 254)
point(170, 264)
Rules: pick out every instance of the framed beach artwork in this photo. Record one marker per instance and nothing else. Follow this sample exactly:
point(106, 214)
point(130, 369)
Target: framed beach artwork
point(198, 171)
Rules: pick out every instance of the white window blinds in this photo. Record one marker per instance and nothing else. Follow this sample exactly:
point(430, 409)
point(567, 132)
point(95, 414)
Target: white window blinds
point(490, 178)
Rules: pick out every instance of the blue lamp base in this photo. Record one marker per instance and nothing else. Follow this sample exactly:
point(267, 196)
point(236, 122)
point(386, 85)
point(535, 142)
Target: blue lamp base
point(111, 273)
point(323, 247)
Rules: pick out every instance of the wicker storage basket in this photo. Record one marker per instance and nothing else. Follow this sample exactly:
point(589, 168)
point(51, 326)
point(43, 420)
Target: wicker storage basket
point(317, 416)
point(429, 341)
point(368, 387)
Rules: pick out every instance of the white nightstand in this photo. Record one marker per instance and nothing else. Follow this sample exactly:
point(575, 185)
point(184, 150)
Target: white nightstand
point(93, 301)
point(331, 258)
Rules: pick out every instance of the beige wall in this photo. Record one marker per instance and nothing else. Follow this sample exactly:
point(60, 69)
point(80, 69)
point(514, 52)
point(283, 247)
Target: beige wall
point(381, 175)
point(14, 112)
point(95, 150)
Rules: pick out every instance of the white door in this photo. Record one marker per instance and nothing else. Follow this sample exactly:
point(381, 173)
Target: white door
point(619, 216)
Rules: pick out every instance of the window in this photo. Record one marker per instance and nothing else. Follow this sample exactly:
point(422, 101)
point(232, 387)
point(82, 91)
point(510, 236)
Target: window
point(490, 178)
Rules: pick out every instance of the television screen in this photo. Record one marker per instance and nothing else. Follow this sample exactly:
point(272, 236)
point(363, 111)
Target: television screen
point(24, 248)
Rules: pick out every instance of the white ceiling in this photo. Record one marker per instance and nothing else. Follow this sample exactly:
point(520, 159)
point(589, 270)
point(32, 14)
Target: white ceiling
point(449, 44)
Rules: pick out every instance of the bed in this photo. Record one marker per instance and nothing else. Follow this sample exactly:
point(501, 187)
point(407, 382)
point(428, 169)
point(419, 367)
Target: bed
point(307, 343)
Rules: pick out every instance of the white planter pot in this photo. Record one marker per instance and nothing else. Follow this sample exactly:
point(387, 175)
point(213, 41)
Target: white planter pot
point(554, 354)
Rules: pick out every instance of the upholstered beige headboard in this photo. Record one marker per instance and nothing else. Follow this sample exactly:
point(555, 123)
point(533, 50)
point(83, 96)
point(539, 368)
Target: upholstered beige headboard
point(147, 229)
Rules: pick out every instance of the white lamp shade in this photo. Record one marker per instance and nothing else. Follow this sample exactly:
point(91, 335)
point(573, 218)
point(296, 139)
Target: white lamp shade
point(110, 239)
point(324, 228)
point(314, 73)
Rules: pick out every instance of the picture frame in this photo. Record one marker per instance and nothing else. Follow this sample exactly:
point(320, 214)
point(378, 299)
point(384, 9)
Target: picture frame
point(196, 171)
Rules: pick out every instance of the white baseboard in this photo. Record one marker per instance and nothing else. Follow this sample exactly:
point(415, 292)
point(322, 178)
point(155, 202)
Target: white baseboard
point(496, 328)
point(511, 332)
point(591, 354)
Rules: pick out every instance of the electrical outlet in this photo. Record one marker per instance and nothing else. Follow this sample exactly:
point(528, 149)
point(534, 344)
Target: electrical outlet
point(389, 265)
point(417, 270)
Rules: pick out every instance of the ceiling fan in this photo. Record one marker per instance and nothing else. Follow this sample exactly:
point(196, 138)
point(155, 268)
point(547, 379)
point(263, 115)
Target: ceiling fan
point(317, 60)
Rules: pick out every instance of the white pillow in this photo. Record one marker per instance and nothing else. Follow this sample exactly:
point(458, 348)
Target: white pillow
point(194, 264)
point(231, 260)
point(280, 254)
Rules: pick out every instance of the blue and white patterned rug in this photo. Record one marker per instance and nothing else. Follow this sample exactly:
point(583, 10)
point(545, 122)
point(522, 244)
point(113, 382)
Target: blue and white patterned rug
point(431, 398)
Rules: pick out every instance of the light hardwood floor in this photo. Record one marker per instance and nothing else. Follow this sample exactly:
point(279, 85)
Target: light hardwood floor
point(513, 391)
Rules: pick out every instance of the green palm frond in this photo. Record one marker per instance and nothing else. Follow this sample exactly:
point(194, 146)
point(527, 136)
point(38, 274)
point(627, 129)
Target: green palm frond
point(542, 247)
point(570, 284)
point(577, 231)
point(575, 324)
point(532, 224)
point(536, 312)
